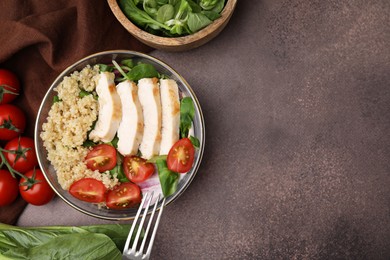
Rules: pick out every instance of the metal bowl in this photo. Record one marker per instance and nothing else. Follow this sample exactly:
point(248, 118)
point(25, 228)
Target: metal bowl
point(106, 57)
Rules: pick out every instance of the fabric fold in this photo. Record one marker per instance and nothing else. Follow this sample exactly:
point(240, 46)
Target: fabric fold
point(39, 39)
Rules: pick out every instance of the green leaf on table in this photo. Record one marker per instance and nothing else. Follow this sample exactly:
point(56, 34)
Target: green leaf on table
point(69, 246)
point(84, 242)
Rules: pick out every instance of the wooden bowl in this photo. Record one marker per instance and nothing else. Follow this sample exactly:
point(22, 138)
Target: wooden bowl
point(176, 44)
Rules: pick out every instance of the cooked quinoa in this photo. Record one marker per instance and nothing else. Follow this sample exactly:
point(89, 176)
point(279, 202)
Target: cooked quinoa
point(66, 129)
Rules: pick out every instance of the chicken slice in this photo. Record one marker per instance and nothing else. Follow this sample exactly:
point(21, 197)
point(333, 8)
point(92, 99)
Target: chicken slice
point(110, 109)
point(149, 97)
point(131, 128)
point(170, 109)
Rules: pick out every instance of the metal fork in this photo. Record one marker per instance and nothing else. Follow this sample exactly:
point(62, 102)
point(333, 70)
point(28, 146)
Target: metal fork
point(132, 253)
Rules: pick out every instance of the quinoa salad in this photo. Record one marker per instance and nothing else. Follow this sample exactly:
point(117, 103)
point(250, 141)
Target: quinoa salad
point(116, 131)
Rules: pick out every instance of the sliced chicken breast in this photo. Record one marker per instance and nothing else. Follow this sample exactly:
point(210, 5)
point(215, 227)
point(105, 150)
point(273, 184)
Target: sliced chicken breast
point(170, 110)
point(131, 127)
point(149, 97)
point(110, 109)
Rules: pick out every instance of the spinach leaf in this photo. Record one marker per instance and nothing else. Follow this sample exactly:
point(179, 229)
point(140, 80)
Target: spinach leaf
point(197, 21)
point(118, 169)
point(139, 16)
point(195, 8)
point(187, 113)
point(218, 7)
point(105, 68)
point(209, 4)
point(150, 6)
point(89, 143)
point(129, 63)
point(56, 99)
point(97, 246)
point(142, 70)
point(211, 15)
point(157, 157)
point(168, 178)
point(195, 141)
point(84, 242)
point(165, 13)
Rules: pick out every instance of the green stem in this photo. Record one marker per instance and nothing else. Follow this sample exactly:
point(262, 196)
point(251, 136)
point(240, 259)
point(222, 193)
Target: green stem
point(5, 162)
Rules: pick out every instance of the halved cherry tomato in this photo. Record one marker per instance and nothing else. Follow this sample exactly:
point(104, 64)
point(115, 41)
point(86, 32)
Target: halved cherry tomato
point(21, 155)
point(9, 189)
point(9, 86)
point(102, 157)
point(12, 121)
point(125, 195)
point(39, 193)
point(89, 190)
point(181, 156)
point(137, 169)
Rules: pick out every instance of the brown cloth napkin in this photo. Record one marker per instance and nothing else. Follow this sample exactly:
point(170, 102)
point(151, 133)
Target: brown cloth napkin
point(41, 38)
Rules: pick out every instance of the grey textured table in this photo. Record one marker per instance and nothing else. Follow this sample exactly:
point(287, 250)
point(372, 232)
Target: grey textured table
point(296, 102)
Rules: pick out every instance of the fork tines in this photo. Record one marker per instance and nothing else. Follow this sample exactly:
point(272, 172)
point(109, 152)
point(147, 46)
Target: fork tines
point(134, 252)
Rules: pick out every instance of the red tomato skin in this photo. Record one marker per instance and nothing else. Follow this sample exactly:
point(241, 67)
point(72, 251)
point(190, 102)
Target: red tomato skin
point(8, 79)
point(89, 190)
point(21, 165)
point(17, 117)
point(40, 193)
point(144, 171)
point(9, 189)
point(174, 163)
point(103, 153)
point(125, 195)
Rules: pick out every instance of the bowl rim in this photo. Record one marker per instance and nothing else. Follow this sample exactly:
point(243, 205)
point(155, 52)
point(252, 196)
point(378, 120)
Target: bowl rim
point(172, 41)
point(67, 71)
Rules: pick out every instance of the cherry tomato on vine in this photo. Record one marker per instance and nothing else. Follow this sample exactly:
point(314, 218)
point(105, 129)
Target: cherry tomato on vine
point(102, 157)
point(125, 195)
point(181, 156)
point(9, 86)
point(89, 190)
point(9, 189)
point(35, 190)
point(21, 154)
point(12, 122)
point(137, 169)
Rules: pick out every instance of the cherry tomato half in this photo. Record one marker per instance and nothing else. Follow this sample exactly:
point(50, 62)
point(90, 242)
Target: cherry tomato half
point(125, 195)
point(12, 122)
point(40, 193)
point(102, 157)
point(9, 86)
point(89, 190)
point(181, 156)
point(9, 189)
point(23, 157)
point(137, 169)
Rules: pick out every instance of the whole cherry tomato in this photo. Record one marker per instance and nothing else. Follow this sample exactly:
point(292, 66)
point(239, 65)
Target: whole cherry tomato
point(9, 189)
point(21, 154)
point(9, 86)
point(12, 122)
point(35, 190)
